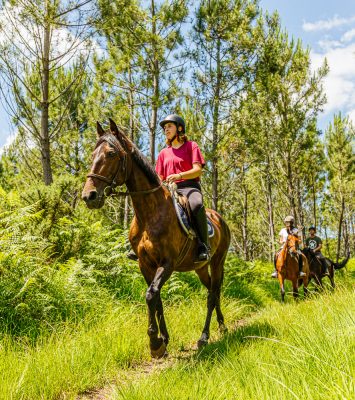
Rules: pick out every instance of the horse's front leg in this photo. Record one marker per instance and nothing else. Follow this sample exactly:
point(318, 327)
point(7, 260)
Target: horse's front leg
point(155, 309)
point(282, 286)
point(161, 322)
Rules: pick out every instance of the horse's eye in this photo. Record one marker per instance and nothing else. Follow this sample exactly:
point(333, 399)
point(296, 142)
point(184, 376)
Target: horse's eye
point(111, 154)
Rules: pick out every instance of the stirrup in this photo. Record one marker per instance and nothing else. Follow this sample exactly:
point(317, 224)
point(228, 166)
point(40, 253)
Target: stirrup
point(132, 255)
point(203, 253)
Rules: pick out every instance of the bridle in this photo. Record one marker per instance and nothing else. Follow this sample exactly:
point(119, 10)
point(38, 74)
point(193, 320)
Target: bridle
point(112, 183)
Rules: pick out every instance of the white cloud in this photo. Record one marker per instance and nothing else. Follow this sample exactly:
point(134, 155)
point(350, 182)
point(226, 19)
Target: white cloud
point(348, 36)
point(351, 114)
point(9, 139)
point(339, 85)
point(326, 25)
point(327, 45)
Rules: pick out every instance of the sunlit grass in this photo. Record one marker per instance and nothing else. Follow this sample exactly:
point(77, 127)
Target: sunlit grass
point(292, 351)
point(272, 351)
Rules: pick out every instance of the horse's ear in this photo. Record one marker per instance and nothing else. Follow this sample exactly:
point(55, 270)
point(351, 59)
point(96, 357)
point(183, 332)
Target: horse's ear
point(100, 130)
point(122, 138)
point(113, 127)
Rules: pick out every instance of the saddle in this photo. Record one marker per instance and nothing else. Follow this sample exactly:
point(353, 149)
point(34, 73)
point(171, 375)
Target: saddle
point(184, 215)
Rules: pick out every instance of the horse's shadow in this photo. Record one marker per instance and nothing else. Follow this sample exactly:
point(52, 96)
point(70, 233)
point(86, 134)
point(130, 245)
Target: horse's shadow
point(234, 340)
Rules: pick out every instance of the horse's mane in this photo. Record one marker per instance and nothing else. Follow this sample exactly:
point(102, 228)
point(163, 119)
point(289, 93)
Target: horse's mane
point(145, 165)
point(142, 161)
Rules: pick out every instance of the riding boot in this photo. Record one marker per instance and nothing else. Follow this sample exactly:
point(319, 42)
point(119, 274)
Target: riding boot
point(200, 223)
point(300, 265)
point(324, 266)
point(275, 273)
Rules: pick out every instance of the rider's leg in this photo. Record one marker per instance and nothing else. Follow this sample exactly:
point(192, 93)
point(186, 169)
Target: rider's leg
point(275, 273)
point(200, 222)
point(300, 263)
point(322, 259)
point(202, 232)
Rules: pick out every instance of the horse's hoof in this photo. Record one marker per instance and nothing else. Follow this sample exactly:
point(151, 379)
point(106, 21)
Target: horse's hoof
point(202, 343)
point(160, 352)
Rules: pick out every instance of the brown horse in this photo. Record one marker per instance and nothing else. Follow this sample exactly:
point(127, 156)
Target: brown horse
point(156, 237)
point(316, 268)
point(287, 267)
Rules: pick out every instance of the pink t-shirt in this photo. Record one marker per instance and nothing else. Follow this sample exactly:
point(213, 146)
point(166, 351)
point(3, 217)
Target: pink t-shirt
point(173, 161)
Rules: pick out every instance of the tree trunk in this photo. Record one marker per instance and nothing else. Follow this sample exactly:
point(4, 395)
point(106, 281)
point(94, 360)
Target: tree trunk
point(326, 241)
point(340, 226)
point(290, 188)
point(270, 209)
point(245, 223)
point(215, 124)
point(156, 91)
point(44, 140)
point(346, 236)
point(314, 198)
point(300, 210)
point(131, 134)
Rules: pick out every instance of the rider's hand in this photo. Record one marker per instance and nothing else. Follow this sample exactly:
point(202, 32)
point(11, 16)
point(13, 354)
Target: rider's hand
point(173, 178)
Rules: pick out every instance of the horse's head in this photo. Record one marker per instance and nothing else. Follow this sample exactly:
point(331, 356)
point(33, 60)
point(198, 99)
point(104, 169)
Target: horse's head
point(111, 165)
point(292, 244)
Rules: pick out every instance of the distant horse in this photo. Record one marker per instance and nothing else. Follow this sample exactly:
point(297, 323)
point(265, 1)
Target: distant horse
point(156, 237)
point(287, 267)
point(316, 268)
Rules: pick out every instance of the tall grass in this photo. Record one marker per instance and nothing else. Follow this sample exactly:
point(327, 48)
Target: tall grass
point(72, 318)
point(76, 358)
point(293, 351)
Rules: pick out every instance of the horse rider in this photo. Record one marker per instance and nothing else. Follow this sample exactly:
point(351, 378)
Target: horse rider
point(284, 232)
point(314, 243)
point(182, 162)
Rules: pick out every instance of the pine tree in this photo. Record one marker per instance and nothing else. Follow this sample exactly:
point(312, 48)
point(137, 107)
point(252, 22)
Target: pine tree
point(40, 38)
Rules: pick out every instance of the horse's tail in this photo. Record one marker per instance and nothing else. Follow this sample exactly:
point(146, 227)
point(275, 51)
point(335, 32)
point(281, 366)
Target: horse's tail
point(339, 265)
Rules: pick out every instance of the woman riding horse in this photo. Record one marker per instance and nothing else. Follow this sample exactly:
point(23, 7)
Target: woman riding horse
point(284, 232)
point(156, 236)
point(182, 162)
point(287, 266)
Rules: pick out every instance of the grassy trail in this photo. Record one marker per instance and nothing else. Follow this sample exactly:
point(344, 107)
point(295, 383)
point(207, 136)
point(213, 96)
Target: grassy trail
point(292, 351)
point(272, 351)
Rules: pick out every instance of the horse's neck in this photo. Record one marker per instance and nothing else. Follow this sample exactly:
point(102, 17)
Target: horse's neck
point(284, 250)
point(146, 206)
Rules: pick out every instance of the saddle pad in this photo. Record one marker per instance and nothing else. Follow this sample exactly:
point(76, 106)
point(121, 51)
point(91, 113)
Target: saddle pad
point(185, 223)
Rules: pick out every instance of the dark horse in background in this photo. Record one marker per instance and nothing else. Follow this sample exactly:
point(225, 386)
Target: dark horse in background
point(316, 268)
point(156, 237)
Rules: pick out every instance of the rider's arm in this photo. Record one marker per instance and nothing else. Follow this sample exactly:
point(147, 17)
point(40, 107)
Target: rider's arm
point(318, 248)
point(192, 173)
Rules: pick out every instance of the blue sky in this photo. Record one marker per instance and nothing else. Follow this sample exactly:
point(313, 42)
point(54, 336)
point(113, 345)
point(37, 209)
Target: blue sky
point(328, 28)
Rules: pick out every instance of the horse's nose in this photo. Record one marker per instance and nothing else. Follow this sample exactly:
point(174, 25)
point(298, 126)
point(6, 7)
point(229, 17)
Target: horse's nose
point(91, 196)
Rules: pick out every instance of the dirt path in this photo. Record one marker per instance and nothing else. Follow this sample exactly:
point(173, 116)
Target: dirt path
point(136, 373)
point(144, 369)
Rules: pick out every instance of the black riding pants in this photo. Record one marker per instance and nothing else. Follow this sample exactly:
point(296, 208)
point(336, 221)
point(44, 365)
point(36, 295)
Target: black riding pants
point(192, 190)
